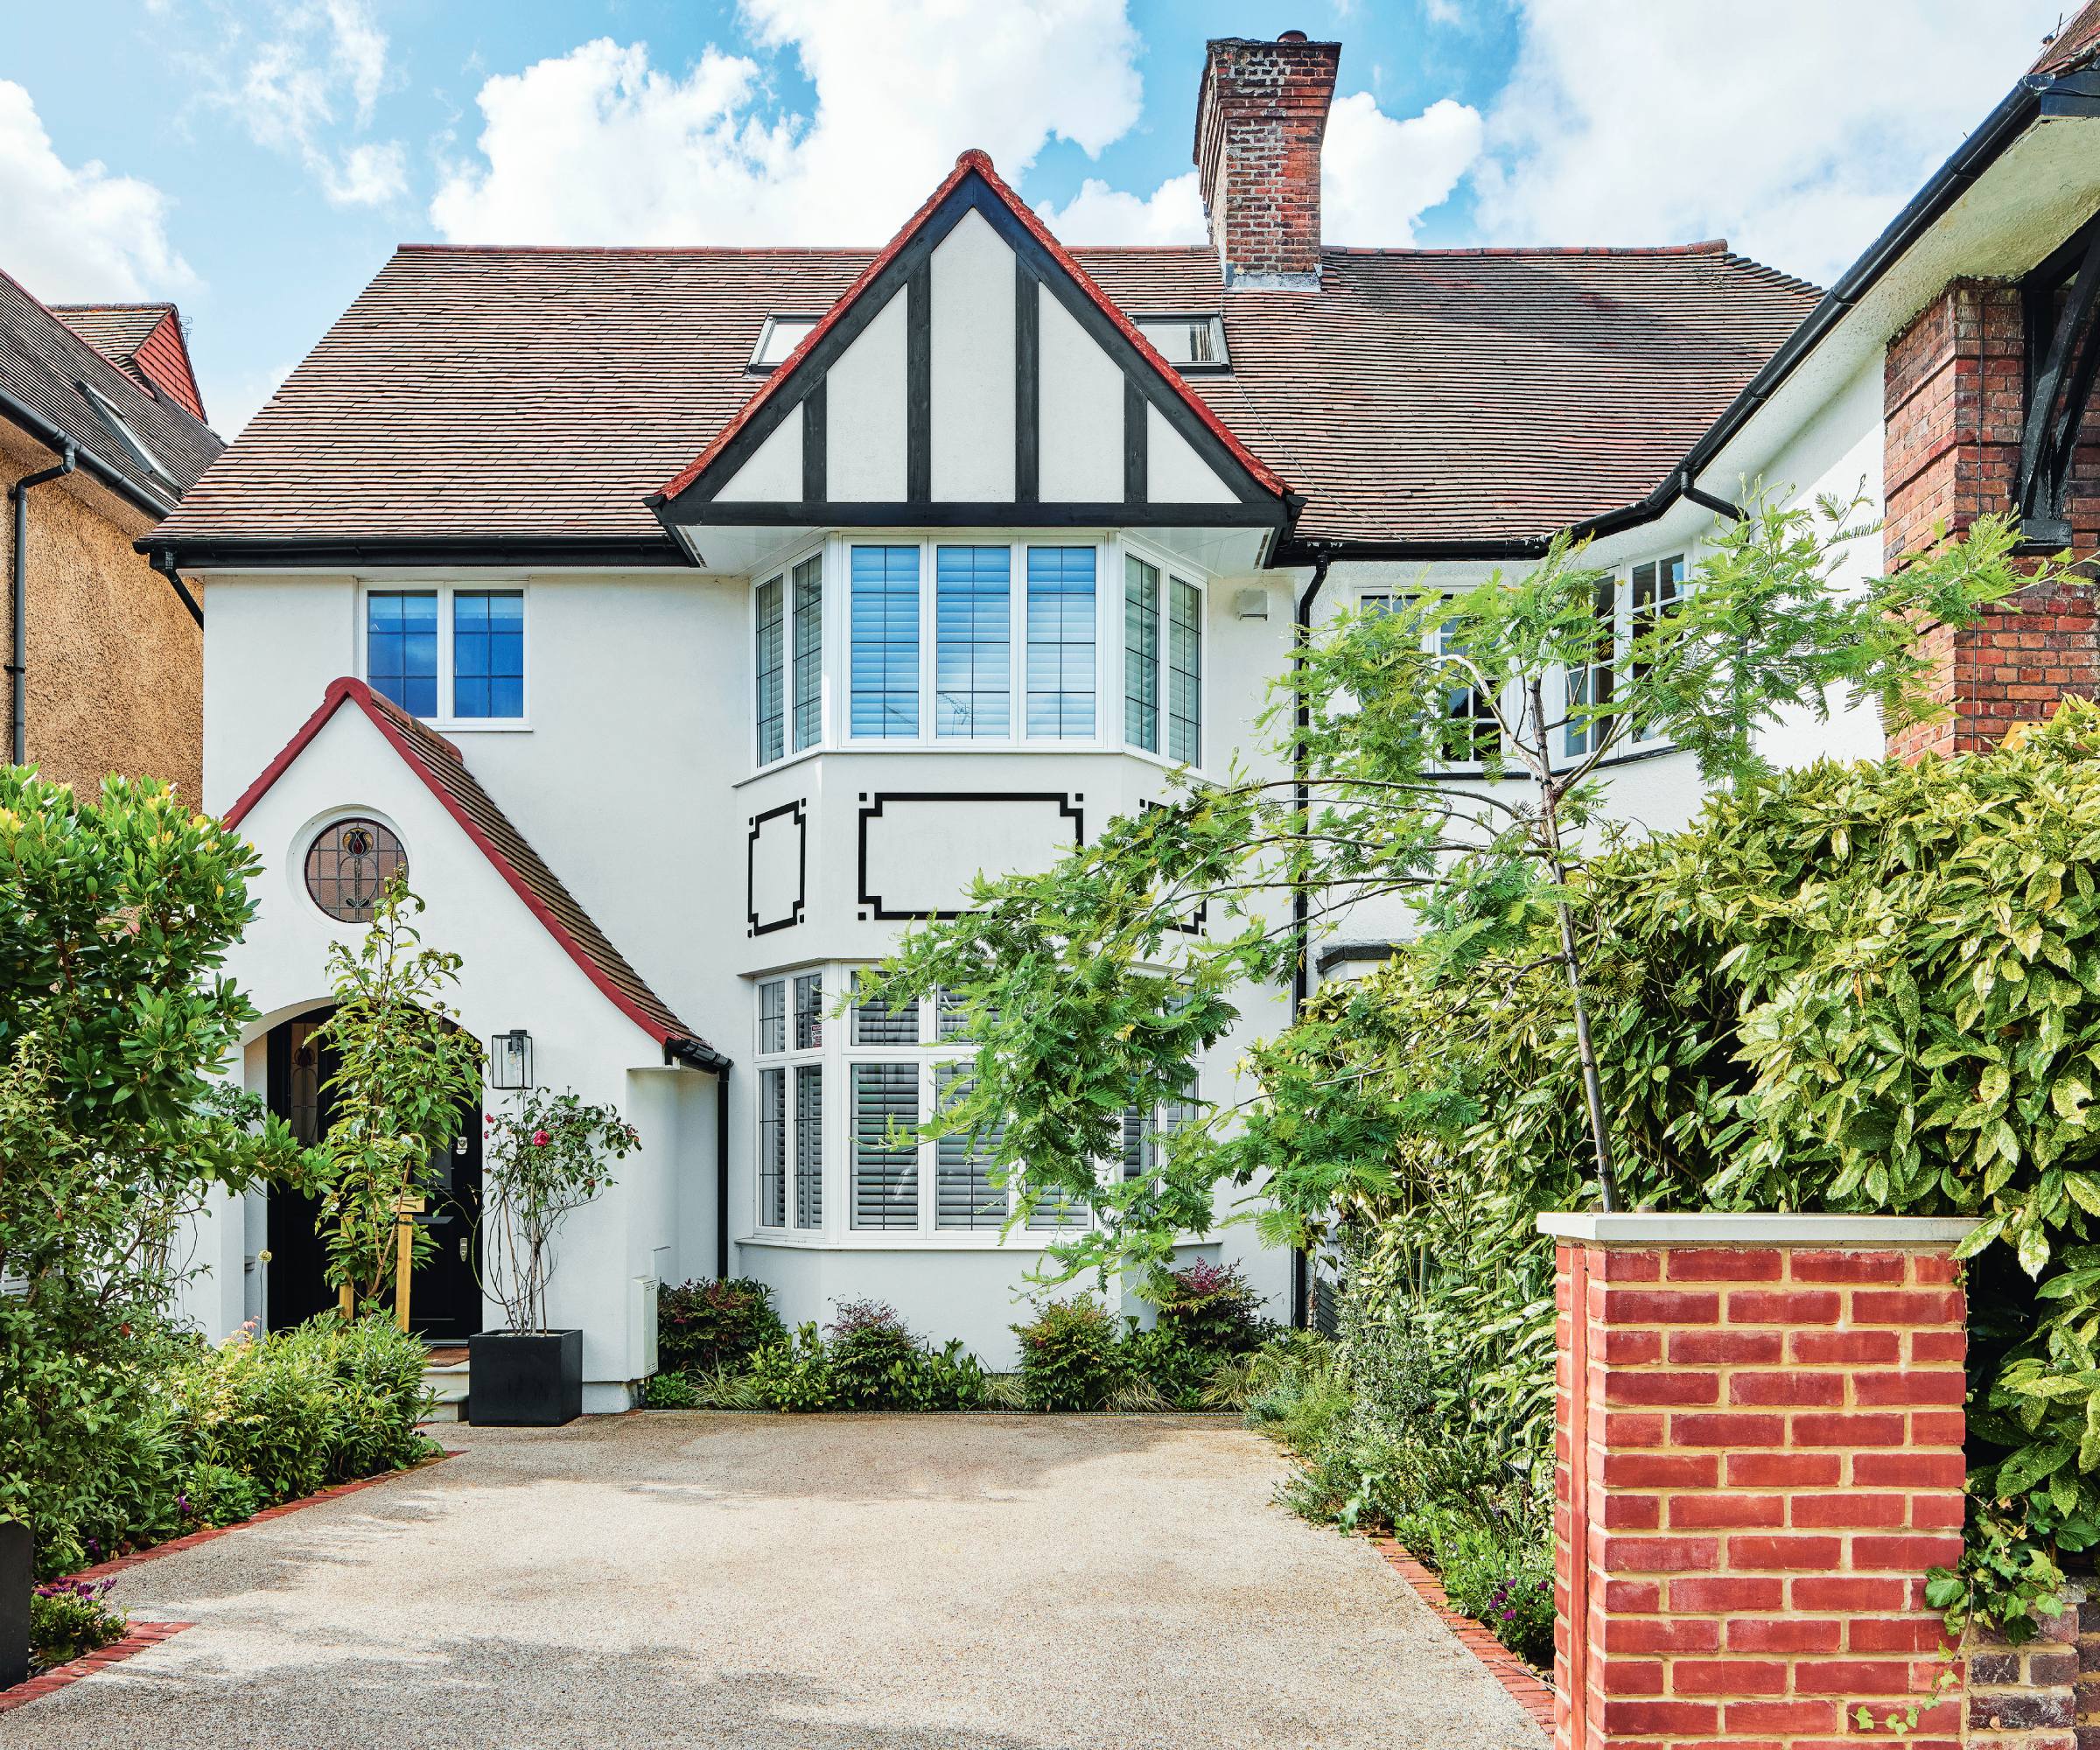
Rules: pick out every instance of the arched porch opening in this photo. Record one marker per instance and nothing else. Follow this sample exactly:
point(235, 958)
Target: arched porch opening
point(444, 1297)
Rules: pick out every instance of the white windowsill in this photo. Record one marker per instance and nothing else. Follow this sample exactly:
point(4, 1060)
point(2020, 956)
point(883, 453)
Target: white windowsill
point(962, 746)
point(984, 1240)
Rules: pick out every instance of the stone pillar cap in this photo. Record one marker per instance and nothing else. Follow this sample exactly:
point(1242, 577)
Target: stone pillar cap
point(1706, 1228)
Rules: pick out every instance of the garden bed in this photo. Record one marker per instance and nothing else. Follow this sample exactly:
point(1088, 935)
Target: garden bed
point(1530, 1687)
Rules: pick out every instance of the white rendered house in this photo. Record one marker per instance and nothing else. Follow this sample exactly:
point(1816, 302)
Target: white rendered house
point(687, 620)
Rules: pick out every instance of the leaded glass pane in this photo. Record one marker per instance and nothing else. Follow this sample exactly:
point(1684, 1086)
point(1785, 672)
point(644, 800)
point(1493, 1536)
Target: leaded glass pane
point(771, 708)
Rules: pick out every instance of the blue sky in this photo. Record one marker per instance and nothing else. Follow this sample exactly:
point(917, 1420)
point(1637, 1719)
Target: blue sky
point(256, 161)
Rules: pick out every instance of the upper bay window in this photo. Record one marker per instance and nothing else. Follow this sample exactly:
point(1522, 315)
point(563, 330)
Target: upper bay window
point(451, 655)
point(1004, 642)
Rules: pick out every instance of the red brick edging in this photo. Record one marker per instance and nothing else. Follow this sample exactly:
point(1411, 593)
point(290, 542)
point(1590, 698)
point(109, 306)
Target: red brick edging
point(1511, 1672)
point(191, 1539)
point(141, 1635)
point(136, 1639)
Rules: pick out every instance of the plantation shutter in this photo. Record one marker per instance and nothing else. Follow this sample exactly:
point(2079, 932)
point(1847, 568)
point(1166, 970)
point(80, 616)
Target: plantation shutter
point(963, 1194)
point(875, 1023)
point(810, 1145)
point(886, 1173)
point(773, 1148)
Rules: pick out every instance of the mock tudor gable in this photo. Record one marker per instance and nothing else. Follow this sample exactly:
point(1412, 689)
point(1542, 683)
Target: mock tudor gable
point(973, 374)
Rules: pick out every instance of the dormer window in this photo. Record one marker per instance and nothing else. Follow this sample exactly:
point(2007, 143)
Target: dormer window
point(1189, 343)
point(130, 441)
point(780, 337)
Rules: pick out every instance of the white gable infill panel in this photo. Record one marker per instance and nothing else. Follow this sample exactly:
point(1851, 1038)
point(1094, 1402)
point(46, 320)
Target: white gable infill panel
point(516, 973)
point(973, 379)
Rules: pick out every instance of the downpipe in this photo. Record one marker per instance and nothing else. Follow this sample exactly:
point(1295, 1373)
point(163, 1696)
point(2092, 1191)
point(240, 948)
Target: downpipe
point(17, 653)
point(1301, 797)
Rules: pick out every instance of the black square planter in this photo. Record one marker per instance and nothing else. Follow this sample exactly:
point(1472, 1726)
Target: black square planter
point(524, 1379)
point(17, 1576)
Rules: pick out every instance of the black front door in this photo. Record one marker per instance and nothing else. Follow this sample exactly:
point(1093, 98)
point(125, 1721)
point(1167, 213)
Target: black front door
point(445, 1300)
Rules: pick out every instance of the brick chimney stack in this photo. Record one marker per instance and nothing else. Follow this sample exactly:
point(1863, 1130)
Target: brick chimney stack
point(1260, 118)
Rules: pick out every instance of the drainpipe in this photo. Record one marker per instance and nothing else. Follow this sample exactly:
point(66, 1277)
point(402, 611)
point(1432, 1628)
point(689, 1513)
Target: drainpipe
point(1706, 500)
point(1301, 796)
point(722, 1172)
point(17, 649)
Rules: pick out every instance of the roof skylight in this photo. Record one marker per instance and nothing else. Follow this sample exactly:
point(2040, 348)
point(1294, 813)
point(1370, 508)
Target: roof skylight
point(132, 443)
point(1194, 342)
point(780, 337)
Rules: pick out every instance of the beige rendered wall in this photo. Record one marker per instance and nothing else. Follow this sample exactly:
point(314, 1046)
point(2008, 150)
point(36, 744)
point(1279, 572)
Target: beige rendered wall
point(116, 662)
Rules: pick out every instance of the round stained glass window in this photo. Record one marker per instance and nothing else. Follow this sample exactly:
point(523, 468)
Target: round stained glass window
point(349, 863)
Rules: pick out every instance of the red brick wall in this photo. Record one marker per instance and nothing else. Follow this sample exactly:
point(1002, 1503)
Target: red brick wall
point(1261, 117)
point(1760, 1454)
point(1954, 402)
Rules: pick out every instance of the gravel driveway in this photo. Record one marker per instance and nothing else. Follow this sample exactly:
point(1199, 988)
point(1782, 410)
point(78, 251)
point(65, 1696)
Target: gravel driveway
point(971, 1583)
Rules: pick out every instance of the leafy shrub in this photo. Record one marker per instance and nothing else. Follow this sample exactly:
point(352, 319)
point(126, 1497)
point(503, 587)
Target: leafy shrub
point(951, 1378)
point(67, 1618)
point(670, 1391)
point(1498, 1570)
point(701, 1325)
point(1211, 1308)
point(794, 1375)
point(296, 1410)
point(875, 1360)
point(1165, 1371)
point(1070, 1356)
point(216, 1495)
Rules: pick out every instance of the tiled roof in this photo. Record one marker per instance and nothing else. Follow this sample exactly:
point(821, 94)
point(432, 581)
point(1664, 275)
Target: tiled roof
point(42, 363)
point(1420, 395)
point(437, 761)
point(116, 329)
point(2073, 43)
point(146, 340)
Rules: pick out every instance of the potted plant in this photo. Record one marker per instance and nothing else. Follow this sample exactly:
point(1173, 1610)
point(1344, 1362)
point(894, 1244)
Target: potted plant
point(542, 1161)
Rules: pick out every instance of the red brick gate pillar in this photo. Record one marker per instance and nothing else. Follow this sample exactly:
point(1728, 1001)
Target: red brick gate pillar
point(1760, 1451)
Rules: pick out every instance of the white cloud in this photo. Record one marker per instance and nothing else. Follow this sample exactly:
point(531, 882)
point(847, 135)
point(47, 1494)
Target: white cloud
point(597, 145)
point(320, 54)
point(1379, 175)
point(1171, 213)
point(1796, 128)
point(80, 234)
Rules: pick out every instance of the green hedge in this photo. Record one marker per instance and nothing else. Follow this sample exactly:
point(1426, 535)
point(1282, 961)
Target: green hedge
point(220, 1433)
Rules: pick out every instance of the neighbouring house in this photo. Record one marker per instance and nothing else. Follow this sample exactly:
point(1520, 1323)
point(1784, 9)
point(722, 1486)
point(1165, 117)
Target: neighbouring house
point(101, 431)
point(685, 620)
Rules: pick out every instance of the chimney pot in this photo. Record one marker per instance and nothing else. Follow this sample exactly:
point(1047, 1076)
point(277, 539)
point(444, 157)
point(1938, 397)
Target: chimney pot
point(1261, 117)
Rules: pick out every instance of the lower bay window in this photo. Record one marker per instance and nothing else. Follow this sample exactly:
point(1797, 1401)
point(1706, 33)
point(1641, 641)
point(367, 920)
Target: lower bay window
point(892, 1070)
point(943, 643)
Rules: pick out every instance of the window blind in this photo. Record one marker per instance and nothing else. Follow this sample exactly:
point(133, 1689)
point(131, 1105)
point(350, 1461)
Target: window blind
point(886, 1173)
point(874, 1023)
point(972, 643)
point(964, 1196)
point(885, 655)
point(1060, 643)
point(810, 1145)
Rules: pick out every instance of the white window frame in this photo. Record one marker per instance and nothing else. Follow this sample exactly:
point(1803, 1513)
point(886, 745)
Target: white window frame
point(783, 572)
point(765, 331)
point(1172, 570)
point(837, 1052)
point(1433, 645)
point(445, 590)
point(793, 1057)
point(837, 735)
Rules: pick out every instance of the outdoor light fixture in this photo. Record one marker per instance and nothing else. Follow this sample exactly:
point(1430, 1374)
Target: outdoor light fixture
point(510, 1059)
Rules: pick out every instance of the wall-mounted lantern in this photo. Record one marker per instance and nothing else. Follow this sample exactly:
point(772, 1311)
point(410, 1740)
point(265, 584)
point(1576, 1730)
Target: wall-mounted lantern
point(510, 1059)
